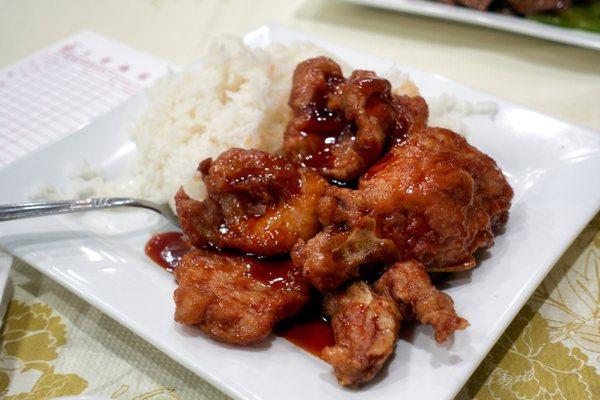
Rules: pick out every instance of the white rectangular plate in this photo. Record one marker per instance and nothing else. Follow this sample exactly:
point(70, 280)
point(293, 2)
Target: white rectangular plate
point(99, 256)
point(489, 19)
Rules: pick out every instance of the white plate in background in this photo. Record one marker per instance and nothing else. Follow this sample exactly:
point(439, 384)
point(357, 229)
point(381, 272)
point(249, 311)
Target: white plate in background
point(551, 164)
point(488, 19)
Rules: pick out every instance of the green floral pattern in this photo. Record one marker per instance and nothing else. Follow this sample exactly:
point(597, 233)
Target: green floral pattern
point(552, 349)
point(525, 364)
point(51, 385)
point(30, 339)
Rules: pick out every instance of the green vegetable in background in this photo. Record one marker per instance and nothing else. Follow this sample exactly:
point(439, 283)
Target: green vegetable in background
point(580, 17)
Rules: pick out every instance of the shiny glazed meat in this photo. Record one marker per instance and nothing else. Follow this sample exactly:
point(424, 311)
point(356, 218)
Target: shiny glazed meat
point(414, 200)
point(341, 126)
point(365, 325)
point(257, 203)
point(334, 255)
point(408, 284)
point(236, 299)
point(433, 197)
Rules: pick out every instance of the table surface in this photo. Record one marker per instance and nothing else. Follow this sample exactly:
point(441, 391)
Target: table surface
point(54, 344)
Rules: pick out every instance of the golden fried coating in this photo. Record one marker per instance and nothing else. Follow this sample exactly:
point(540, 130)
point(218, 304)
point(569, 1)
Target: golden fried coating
point(341, 126)
point(408, 283)
point(414, 112)
point(365, 325)
point(435, 197)
point(257, 203)
point(236, 299)
point(335, 255)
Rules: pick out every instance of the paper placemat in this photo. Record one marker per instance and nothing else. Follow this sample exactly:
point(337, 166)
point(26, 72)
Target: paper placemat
point(62, 87)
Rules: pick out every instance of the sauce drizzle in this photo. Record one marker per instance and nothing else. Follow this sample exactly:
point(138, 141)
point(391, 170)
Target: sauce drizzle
point(278, 273)
point(167, 248)
point(323, 132)
point(309, 329)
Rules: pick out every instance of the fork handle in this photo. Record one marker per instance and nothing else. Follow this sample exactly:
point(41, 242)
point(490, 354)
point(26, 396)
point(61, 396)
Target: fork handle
point(39, 209)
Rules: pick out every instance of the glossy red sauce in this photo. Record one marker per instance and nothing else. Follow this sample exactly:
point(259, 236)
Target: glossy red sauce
point(311, 335)
point(309, 330)
point(380, 165)
point(167, 248)
point(324, 121)
point(417, 225)
point(277, 273)
point(400, 128)
point(322, 132)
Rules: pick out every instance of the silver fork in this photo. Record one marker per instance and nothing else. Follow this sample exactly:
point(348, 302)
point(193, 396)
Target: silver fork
point(39, 209)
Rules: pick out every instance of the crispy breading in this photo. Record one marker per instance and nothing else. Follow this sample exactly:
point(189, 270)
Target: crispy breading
point(341, 126)
point(408, 283)
point(365, 325)
point(236, 299)
point(257, 203)
point(433, 197)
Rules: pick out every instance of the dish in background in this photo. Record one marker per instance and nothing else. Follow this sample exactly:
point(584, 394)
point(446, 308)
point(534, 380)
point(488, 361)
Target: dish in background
point(509, 23)
point(575, 14)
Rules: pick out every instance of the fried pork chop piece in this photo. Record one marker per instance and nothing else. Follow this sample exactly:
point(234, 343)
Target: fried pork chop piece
point(341, 127)
point(335, 255)
point(236, 299)
point(413, 112)
point(365, 326)
point(408, 283)
point(257, 203)
point(432, 198)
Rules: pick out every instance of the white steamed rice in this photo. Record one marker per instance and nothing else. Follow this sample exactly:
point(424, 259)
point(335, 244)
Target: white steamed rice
point(238, 98)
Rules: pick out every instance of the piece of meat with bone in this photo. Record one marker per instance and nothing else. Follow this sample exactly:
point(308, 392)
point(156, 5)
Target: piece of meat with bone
point(432, 198)
point(341, 126)
point(408, 283)
point(237, 299)
point(365, 326)
point(335, 255)
point(257, 203)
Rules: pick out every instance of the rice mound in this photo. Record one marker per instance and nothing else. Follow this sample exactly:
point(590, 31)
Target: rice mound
point(237, 99)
